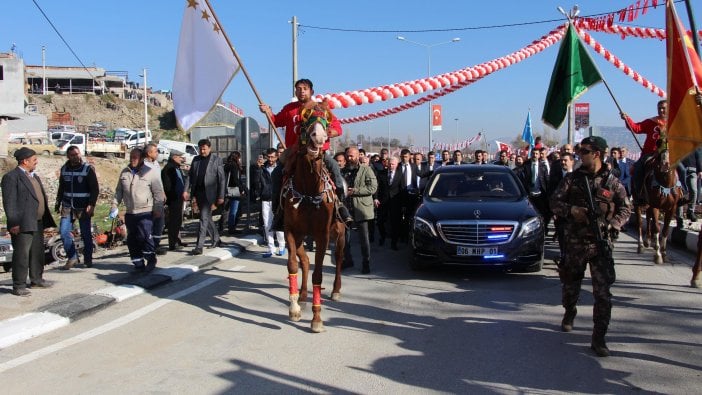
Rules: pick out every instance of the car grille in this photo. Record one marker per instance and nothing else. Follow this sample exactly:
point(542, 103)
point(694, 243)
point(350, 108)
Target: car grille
point(477, 232)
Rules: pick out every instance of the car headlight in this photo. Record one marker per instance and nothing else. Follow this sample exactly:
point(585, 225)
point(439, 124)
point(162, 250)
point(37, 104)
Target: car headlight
point(530, 226)
point(422, 225)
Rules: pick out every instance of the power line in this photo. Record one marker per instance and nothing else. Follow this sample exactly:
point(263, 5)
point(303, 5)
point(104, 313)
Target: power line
point(486, 27)
point(64, 40)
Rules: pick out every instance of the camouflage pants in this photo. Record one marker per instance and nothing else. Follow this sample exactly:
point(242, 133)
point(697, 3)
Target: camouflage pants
point(572, 271)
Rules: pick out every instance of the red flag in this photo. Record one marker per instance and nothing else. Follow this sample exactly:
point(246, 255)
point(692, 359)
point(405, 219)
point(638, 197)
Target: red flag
point(436, 117)
point(503, 147)
point(684, 128)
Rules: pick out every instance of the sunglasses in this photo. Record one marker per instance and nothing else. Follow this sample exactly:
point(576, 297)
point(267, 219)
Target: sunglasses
point(585, 151)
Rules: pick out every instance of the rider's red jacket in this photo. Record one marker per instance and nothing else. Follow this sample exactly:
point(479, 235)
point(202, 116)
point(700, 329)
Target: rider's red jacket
point(652, 127)
point(289, 118)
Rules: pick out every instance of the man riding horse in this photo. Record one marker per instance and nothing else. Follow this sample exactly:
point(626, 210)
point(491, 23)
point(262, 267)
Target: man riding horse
point(290, 117)
point(652, 128)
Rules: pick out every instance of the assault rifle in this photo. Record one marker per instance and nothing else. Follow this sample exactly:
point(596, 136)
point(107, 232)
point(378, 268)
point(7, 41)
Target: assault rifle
point(604, 250)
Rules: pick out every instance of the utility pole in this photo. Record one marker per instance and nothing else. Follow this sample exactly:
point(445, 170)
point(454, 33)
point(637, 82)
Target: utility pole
point(43, 67)
point(294, 53)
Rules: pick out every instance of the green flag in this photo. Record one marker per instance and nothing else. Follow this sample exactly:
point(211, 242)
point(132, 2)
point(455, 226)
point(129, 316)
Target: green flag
point(573, 73)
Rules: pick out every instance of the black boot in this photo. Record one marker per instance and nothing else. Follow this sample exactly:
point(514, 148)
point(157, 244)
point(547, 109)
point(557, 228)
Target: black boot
point(598, 344)
point(568, 317)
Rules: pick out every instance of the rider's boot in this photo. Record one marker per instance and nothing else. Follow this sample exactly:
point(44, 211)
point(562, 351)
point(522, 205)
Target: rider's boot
point(341, 209)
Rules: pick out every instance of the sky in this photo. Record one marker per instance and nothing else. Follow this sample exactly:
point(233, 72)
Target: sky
point(130, 35)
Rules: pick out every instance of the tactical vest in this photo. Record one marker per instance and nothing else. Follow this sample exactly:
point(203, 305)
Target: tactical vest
point(76, 191)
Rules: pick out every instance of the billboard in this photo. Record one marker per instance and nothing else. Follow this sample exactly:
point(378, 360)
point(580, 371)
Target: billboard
point(582, 115)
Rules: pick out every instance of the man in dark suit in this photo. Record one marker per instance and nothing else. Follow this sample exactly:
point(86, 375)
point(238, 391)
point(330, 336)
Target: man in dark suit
point(409, 191)
point(458, 158)
point(535, 181)
point(557, 174)
point(394, 200)
point(382, 201)
point(206, 184)
point(28, 214)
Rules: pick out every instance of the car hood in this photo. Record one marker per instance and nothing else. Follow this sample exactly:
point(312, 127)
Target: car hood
point(499, 210)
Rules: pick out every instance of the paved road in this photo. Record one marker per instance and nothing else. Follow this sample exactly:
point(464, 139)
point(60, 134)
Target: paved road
point(395, 331)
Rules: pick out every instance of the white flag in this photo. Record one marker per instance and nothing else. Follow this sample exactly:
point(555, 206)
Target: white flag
point(204, 67)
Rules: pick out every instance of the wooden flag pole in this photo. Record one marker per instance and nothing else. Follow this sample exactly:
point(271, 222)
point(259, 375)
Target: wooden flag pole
point(611, 94)
point(246, 73)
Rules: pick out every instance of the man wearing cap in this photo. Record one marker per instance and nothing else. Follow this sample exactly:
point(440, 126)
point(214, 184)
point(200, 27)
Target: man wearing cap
point(570, 202)
point(28, 214)
point(75, 200)
point(174, 186)
point(139, 187)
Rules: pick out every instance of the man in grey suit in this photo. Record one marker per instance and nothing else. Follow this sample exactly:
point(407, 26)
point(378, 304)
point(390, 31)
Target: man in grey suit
point(206, 184)
point(28, 214)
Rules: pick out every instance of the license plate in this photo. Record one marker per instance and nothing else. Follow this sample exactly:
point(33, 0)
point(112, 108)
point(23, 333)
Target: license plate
point(476, 251)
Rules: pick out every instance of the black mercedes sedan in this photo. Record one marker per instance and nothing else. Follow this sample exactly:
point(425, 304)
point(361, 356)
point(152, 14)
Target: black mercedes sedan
point(477, 215)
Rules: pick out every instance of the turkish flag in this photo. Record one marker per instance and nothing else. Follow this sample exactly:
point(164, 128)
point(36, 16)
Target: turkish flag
point(436, 117)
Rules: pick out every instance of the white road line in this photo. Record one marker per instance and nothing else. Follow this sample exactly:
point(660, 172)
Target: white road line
point(104, 328)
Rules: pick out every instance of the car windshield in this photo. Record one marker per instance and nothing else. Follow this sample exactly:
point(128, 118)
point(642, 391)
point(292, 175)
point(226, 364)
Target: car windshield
point(474, 185)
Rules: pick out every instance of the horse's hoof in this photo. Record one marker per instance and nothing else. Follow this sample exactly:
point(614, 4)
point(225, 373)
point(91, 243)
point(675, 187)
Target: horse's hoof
point(336, 296)
point(696, 284)
point(317, 327)
point(639, 250)
point(295, 315)
point(646, 244)
point(658, 260)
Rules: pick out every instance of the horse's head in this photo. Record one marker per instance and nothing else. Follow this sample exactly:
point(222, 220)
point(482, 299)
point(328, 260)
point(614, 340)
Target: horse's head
point(662, 170)
point(316, 118)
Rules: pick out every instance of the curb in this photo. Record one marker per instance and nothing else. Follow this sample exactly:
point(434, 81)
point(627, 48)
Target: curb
point(70, 308)
point(683, 238)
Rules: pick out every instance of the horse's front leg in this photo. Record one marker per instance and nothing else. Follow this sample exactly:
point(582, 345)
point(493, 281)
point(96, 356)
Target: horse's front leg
point(317, 324)
point(294, 312)
point(301, 254)
point(640, 226)
point(655, 232)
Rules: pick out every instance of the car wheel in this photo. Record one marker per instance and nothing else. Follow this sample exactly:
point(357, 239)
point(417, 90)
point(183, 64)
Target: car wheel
point(535, 267)
point(417, 263)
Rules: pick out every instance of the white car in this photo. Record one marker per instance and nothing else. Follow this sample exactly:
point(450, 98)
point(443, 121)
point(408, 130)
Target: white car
point(163, 154)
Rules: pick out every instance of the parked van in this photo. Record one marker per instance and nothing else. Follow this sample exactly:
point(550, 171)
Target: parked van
point(189, 149)
point(137, 138)
point(57, 135)
point(41, 145)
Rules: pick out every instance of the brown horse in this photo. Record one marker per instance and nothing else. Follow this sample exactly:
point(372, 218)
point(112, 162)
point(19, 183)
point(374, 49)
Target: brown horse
point(663, 192)
point(308, 199)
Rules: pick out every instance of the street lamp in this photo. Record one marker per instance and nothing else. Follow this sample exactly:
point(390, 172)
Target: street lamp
point(429, 47)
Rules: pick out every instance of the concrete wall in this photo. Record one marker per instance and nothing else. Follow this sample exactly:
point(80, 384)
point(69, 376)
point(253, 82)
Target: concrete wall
point(12, 95)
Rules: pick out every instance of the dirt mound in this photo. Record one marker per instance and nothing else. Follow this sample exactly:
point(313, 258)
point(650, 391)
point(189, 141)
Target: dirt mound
point(107, 109)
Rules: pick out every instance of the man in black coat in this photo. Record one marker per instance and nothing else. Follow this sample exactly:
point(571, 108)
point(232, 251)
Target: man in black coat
point(396, 194)
point(534, 177)
point(174, 186)
point(27, 210)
